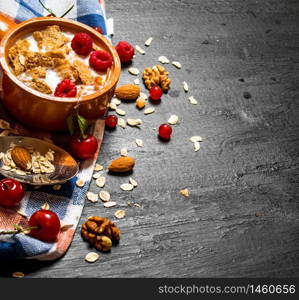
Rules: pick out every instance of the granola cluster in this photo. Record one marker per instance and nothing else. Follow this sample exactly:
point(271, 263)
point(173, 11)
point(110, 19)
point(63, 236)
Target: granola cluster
point(53, 55)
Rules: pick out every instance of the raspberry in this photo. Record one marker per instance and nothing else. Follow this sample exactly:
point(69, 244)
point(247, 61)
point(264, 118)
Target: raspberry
point(125, 51)
point(82, 43)
point(65, 88)
point(100, 60)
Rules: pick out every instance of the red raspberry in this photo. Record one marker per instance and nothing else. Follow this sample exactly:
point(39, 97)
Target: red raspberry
point(82, 43)
point(65, 88)
point(125, 51)
point(100, 60)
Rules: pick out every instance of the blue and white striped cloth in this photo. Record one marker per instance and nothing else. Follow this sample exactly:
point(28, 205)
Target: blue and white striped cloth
point(67, 202)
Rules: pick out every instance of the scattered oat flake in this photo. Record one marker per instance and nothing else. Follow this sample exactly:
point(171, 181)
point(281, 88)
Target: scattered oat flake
point(119, 214)
point(139, 49)
point(133, 71)
point(163, 60)
point(185, 86)
point(92, 257)
point(177, 64)
point(112, 106)
point(104, 196)
point(45, 206)
point(148, 42)
point(134, 122)
point(136, 81)
point(137, 205)
point(98, 167)
point(116, 101)
point(92, 197)
point(196, 146)
point(139, 142)
point(184, 192)
point(22, 213)
point(100, 182)
point(96, 175)
point(133, 182)
point(173, 120)
point(192, 100)
point(127, 186)
point(195, 138)
point(56, 187)
point(80, 183)
point(121, 122)
point(109, 204)
point(124, 152)
point(18, 274)
point(120, 112)
point(149, 110)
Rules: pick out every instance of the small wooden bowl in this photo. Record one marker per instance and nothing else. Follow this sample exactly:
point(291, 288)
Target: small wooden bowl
point(40, 110)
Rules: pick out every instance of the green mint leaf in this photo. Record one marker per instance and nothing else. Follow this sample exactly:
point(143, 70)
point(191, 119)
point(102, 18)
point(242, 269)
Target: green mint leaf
point(70, 124)
point(83, 124)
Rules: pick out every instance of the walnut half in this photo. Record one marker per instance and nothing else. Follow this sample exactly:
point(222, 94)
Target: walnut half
point(156, 76)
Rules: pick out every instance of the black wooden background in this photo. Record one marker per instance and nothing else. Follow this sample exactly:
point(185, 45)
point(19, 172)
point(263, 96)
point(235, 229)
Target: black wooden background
point(241, 61)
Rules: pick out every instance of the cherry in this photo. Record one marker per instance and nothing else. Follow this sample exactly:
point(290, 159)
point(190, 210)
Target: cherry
point(111, 121)
point(47, 223)
point(165, 131)
point(83, 148)
point(156, 93)
point(11, 192)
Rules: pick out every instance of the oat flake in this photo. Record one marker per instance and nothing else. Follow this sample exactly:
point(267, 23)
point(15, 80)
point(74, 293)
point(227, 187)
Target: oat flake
point(134, 122)
point(143, 95)
point(92, 257)
point(148, 42)
point(195, 138)
point(92, 197)
point(136, 81)
point(163, 60)
point(126, 187)
point(177, 64)
point(139, 49)
point(80, 183)
point(109, 204)
point(18, 274)
point(133, 182)
point(96, 175)
point(192, 100)
point(173, 120)
point(121, 122)
point(139, 142)
point(185, 86)
point(149, 110)
point(104, 196)
point(196, 146)
point(100, 182)
point(120, 112)
point(45, 206)
point(98, 167)
point(124, 152)
point(133, 71)
point(116, 101)
point(119, 214)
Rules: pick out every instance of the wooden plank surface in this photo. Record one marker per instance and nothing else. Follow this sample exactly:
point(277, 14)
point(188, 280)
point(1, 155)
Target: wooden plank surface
point(241, 218)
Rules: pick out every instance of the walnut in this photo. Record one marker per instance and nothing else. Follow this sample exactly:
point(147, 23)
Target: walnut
point(100, 233)
point(156, 76)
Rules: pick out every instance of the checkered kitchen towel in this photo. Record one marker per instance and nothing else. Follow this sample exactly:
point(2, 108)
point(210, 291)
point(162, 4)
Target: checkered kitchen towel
point(68, 202)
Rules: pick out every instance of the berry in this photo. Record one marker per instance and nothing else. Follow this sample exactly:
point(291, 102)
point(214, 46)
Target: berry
point(165, 131)
point(156, 92)
point(82, 43)
point(65, 88)
point(111, 121)
point(100, 60)
point(98, 29)
point(125, 51)
point(83, 148)
point(11, 192)
point(47, 223)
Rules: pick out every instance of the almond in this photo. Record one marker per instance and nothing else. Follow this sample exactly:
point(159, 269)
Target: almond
point(122, 164)
point(21, 157)
point(127, 92)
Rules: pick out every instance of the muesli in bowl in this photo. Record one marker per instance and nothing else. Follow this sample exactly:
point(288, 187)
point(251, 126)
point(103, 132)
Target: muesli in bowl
point(60, 63)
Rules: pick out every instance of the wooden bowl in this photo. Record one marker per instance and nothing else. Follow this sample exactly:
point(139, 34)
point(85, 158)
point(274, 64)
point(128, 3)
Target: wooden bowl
point(42, 111)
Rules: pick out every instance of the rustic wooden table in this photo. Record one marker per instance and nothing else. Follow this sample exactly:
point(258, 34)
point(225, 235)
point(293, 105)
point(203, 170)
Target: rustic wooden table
point(240, 59)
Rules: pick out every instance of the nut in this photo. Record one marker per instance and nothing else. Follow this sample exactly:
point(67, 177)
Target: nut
point(122, 164)
point(156, 76)
point(140, 103)
point(21, 157)
point(127, 92)
point(100, 233)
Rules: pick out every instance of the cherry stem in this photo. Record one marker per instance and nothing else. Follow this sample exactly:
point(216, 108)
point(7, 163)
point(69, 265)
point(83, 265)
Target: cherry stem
point(51, 11)
point(18, 230)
